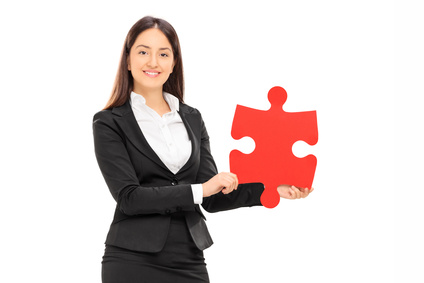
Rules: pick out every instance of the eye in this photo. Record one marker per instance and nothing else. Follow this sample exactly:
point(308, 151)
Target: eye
point(142, 52)
point(164, 55)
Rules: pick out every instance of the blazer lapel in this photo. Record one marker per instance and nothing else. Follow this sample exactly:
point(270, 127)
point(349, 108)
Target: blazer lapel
point(126, 120)
point(191, 123)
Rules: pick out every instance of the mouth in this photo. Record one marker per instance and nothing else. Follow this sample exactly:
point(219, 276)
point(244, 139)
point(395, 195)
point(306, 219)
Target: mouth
point(151, 73)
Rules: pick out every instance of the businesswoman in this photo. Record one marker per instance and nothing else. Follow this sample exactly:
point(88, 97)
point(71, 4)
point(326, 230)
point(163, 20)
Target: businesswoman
point(153, 151)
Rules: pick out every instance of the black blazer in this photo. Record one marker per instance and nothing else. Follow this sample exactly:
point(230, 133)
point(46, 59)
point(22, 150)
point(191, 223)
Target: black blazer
point(147, 192)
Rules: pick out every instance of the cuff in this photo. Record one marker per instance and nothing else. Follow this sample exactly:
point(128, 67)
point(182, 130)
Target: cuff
point(197, 193)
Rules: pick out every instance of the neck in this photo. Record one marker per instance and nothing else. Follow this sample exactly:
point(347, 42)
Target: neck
point(155, 100)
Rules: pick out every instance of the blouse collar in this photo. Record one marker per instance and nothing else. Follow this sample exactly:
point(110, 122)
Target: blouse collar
point(138, 100)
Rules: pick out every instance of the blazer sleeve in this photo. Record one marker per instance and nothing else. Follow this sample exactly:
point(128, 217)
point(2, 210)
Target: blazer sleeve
point(246, 195)
point(121, 178)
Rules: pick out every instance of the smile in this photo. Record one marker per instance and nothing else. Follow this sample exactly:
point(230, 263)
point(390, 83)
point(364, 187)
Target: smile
point(151, 74)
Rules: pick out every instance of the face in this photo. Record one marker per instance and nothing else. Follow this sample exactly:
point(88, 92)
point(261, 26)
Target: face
point(151, 61)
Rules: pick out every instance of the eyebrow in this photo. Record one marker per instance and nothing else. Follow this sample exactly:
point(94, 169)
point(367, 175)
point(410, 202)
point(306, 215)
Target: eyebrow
point(148, 47)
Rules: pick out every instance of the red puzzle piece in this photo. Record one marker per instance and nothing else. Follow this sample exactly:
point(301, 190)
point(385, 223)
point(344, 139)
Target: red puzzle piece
point(274, 132)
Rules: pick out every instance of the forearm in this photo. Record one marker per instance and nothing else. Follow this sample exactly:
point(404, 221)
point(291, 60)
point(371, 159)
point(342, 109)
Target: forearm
point(136, 200)
point(246, 195)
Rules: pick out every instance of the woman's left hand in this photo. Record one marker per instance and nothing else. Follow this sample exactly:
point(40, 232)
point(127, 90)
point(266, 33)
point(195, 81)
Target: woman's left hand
point(291, 192)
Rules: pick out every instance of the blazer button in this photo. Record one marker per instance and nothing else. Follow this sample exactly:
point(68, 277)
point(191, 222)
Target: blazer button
point(174, 182)
point(168, 211)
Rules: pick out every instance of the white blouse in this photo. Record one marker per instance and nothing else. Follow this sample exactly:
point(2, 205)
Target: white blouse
point(166, 135)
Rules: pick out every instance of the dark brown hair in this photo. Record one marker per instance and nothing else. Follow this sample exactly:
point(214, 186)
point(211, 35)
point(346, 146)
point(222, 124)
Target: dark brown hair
point(123, 84)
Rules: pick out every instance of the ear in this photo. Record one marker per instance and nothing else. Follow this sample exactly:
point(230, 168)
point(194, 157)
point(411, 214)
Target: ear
point(173, 65)
point(128, 63)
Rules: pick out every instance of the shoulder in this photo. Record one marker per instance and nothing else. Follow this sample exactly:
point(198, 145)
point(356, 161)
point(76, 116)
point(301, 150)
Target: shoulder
point(108, 115)
point(103, 116)
point(188, 109)
point(104, 121)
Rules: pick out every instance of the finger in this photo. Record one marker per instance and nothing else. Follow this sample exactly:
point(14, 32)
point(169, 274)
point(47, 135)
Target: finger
point(234, 181)
point(296, 191)
point(232, 178)
point(304, 192)
point(228, 185)
point(224, 186)
point(292, 193)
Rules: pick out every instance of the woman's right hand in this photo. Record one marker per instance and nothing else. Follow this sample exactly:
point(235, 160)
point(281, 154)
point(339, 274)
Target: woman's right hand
point(224, 182)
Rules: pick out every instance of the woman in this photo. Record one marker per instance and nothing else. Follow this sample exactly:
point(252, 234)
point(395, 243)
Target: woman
point(153, 151)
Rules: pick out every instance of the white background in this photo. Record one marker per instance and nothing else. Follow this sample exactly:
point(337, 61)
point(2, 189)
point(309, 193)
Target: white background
point(58, 63)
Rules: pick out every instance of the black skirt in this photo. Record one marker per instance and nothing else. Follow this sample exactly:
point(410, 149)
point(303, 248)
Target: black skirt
point(179, 261)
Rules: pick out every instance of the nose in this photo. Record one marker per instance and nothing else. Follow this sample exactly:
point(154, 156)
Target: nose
point(153, 61)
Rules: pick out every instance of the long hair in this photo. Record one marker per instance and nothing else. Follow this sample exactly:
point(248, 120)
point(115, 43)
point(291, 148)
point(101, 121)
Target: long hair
point(124, 83)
